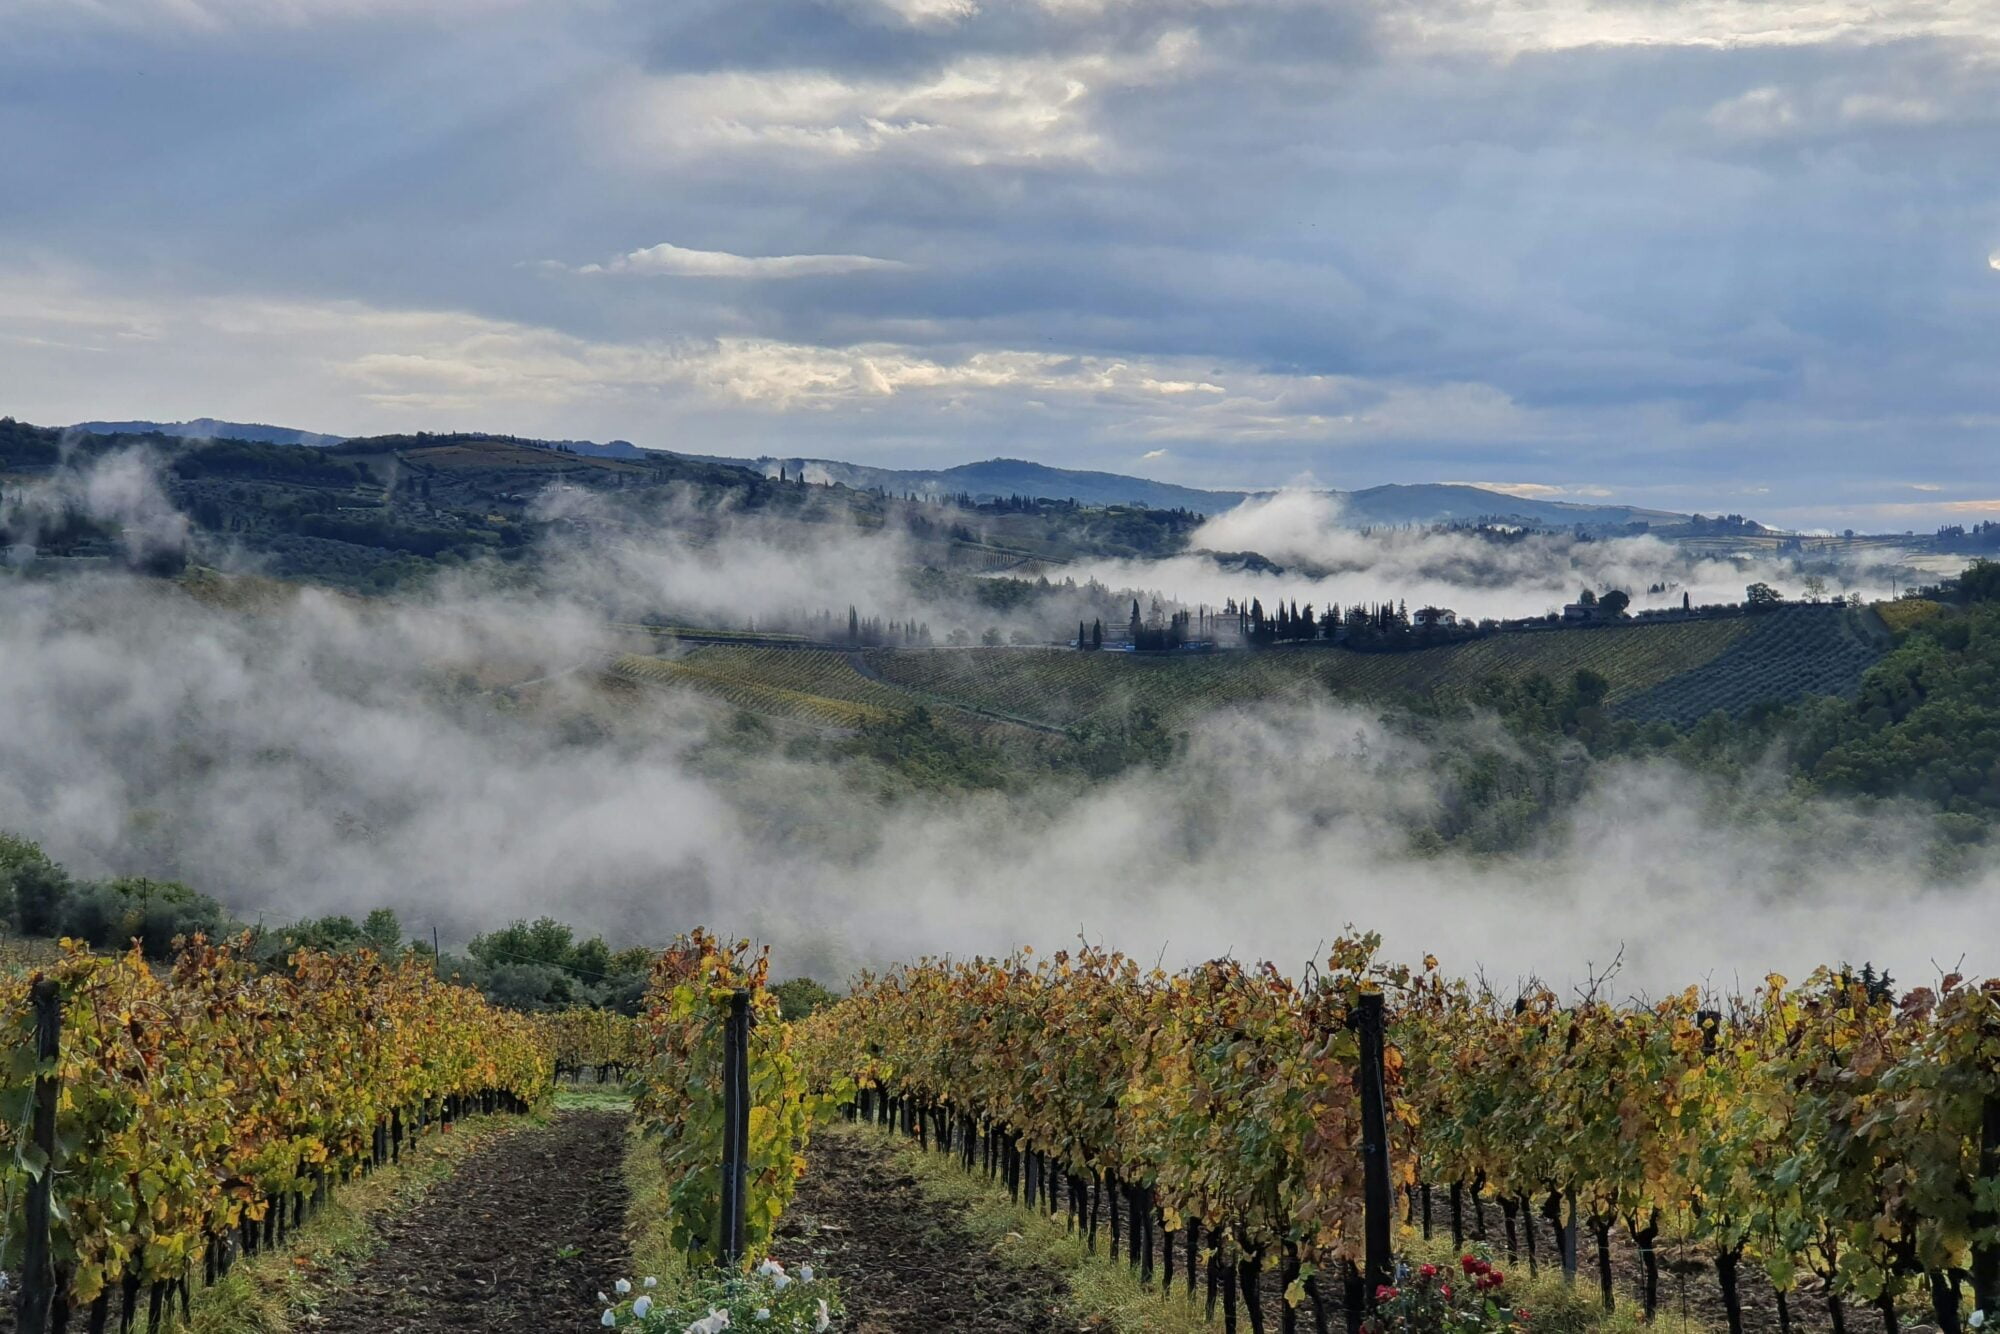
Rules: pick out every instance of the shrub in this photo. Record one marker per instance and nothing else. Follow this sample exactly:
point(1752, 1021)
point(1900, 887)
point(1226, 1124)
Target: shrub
point(766, 1299)
point(1433, 1299)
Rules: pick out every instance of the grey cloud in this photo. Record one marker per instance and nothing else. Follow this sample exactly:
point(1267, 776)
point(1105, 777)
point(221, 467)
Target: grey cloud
point(1589, 232)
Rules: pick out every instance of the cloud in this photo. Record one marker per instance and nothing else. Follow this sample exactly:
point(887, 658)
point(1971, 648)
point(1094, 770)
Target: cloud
point(215, 17)
point(672, 261)
point(1541, 490)
point(1678, 250)
point(1328, 560)
point(929, 13)
point(1153, 454)
point(975, 110)
point(417, 365)
point(1562, 25)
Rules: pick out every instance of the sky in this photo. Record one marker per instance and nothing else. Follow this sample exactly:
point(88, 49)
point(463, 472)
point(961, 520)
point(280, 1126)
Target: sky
point(1726, 255)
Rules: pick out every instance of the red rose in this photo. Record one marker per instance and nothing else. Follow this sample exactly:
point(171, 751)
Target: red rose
point(1385, 1293)
point(1469, 1263)
point(1429, 1271)
point(1445, 1292)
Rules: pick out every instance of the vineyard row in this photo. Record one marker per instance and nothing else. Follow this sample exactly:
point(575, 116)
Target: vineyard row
point(1830, 1130)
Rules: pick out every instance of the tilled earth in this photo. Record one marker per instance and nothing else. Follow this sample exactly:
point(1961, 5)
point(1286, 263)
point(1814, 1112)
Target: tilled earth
point(906, 1265)
point(518, 1241)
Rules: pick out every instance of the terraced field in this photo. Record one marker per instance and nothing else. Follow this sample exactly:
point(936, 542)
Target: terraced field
point(1678, 671)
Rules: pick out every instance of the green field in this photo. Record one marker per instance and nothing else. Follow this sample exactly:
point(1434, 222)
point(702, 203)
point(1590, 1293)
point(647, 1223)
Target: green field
point(1676, 672)
point(812, 686)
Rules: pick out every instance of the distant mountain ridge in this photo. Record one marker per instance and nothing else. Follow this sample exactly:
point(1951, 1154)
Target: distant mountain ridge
point(1380, 506)
point(1394, 505)
point(996, 478)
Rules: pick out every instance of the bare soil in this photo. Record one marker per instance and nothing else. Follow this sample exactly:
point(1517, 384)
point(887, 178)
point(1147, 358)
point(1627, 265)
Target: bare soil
point(518, 1241)
point(906, 1265)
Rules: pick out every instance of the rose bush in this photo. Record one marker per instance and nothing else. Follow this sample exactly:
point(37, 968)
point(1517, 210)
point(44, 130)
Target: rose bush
point(1430, 1299)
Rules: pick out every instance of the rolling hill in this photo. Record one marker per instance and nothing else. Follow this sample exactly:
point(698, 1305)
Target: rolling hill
point(1676, 672)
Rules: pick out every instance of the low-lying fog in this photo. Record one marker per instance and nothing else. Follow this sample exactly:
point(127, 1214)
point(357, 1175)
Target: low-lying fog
point(320, 754)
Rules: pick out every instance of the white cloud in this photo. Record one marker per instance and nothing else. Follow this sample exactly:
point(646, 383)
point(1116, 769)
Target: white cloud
point(1514, 26)
point(931, 13)
point(1758, 113)
point(977, 109)
point(1541, 490)
point(669, 260)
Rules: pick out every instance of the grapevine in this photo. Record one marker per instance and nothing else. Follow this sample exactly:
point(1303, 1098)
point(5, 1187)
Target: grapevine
point(202, 1108)
point(679, 1089)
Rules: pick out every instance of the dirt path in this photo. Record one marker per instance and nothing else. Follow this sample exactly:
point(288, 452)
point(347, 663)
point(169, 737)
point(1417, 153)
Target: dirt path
point(518, 1241)
point(905, 1264)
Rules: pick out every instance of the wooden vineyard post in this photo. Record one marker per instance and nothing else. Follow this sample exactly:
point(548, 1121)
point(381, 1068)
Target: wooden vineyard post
point(735, 1126)
point(1378, 1198)
point(1986, 1252)
point(38, 1276)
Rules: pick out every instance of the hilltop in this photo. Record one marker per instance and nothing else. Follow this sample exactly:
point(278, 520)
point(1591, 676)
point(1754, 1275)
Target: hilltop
point(373, 513)
point(208, 428)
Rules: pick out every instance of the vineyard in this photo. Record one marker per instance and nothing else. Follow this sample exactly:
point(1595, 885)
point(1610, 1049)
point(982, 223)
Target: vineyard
point(190, 1118)
point(1837, 1140)
point(1679, 670)
point(1795, 651)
